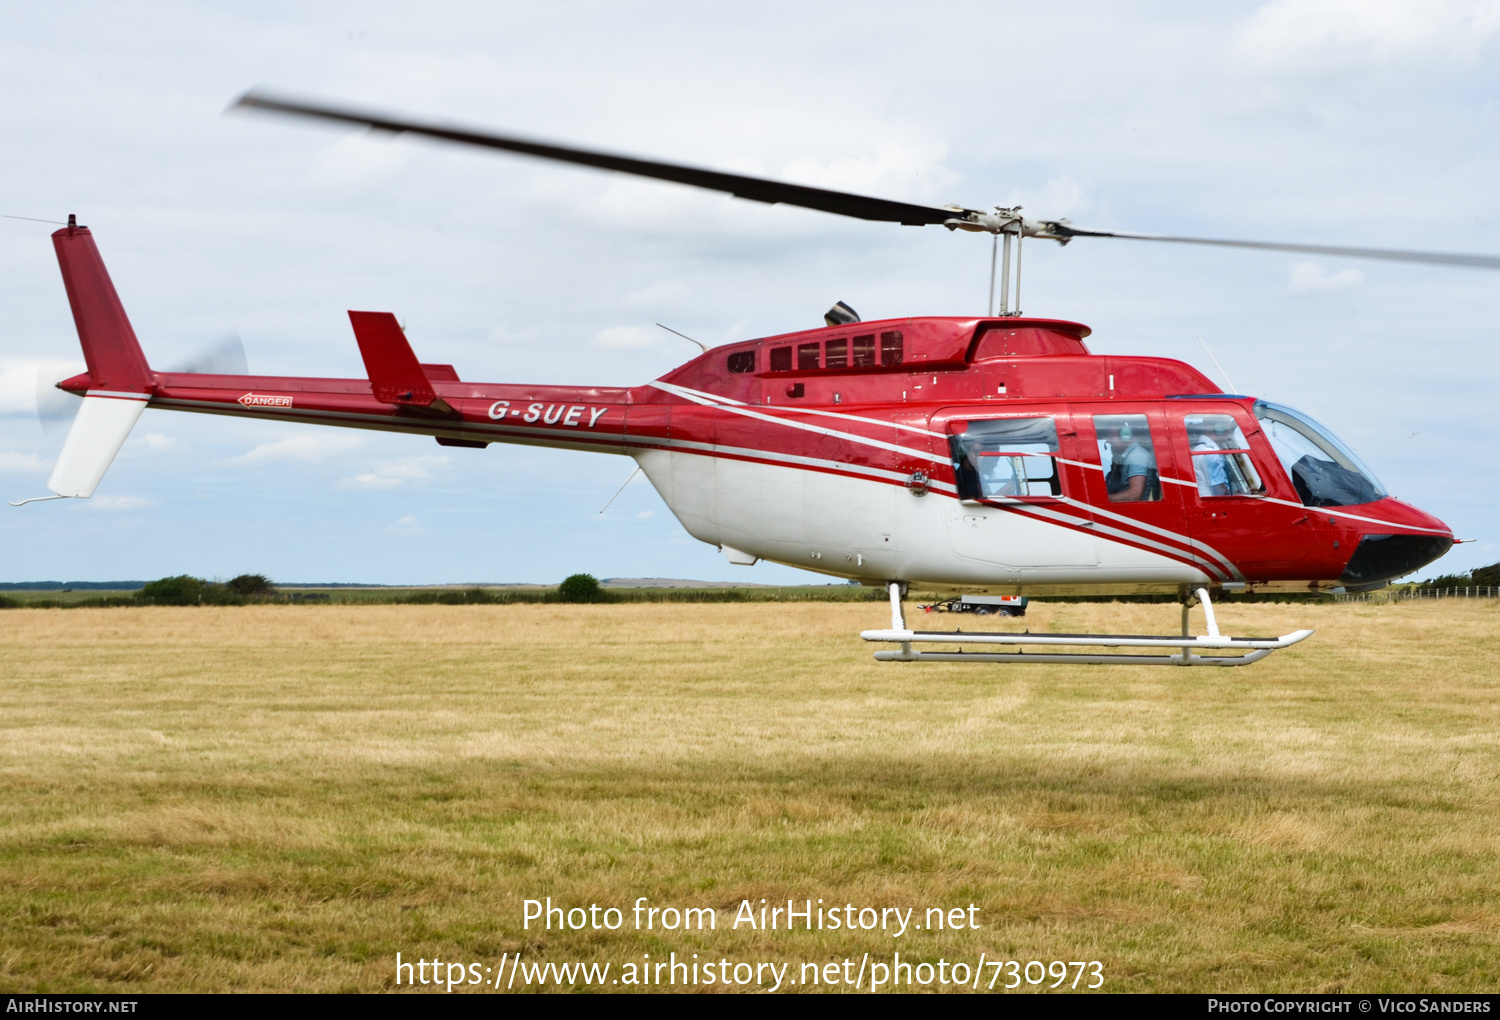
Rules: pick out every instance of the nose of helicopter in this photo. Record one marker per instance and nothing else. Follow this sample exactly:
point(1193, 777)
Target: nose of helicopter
point(1405, 539)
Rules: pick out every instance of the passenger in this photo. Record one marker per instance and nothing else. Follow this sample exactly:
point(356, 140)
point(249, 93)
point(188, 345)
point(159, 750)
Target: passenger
point(1131, 465)
point(998, 476)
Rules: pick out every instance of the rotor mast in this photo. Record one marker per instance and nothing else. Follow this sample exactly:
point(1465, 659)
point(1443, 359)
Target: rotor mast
point(1005, 223)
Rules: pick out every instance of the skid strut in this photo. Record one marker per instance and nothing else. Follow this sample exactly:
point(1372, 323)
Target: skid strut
point(1247, 650)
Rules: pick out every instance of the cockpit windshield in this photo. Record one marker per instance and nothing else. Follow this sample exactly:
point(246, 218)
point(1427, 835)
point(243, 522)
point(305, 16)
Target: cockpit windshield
point(1324, 470)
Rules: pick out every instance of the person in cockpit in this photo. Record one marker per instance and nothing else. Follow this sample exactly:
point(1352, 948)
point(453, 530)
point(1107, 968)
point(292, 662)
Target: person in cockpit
point(1128, 478)
point(1213, 479)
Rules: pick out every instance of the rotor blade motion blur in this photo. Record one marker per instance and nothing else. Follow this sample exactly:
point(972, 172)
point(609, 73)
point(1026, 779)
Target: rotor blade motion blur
point(1067, 232)
point(757, 189)
point(754, 188)
point(225, 356)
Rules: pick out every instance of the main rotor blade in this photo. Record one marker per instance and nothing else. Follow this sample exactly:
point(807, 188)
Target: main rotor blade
point(756, 189)
point(1389, 254)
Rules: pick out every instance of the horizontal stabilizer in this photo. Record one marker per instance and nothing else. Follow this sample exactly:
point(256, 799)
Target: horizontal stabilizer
point(98, 432)
point(396, 377)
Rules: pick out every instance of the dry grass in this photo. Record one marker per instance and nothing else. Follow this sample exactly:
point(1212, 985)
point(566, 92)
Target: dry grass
point(278, 798)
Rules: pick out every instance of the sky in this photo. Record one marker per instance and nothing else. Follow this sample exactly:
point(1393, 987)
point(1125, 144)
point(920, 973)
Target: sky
point(1351, 122)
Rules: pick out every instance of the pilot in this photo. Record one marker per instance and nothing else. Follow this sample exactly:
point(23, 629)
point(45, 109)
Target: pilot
point(1131, 464)
point(1213, 479)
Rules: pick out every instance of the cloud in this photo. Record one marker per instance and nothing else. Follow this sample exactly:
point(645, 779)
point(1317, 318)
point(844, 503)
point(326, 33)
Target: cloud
point(1063, 196)
point(503, 334)
point(902, 170)
point(395, 474)
point(120, 503)
point(1310, 278)
point(663, 293)
point(1345, 32)
point(645, 514)
point(157, 441)
point(310, 449)
point(360, 161)
point(739, 331)
point(629, 338)
point(22, 463)
point(407, 525)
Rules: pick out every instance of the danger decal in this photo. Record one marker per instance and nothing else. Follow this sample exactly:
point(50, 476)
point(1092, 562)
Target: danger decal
point(264, 400)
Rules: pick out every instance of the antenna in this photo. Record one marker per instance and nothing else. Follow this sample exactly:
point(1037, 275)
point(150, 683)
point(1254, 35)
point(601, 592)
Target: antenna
point(33, 219)
point(701, 345)
point(1218, 366)
point(627, 481)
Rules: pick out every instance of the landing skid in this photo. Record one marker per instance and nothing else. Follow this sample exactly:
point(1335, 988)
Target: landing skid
point(1250, 649)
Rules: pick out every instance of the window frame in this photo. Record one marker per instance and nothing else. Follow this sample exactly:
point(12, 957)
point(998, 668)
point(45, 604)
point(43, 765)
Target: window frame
point(958, 427)
point(1246, 451)
point(1155, 495)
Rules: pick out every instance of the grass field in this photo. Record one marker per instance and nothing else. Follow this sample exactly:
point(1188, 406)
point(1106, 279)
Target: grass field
point(282, 798)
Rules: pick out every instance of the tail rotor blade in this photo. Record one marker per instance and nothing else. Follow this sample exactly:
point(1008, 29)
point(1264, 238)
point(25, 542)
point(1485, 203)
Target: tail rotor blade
point(55, 408)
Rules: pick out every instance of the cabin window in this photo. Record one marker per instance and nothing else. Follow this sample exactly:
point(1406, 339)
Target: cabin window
point(1128, 457)
point(864, 351)
point(742, 361)
point(1323, 470)
point(1221, 457)
point(890, 347)
point(1008, 457)
point(836, 353)
point(781, 359)
point(807, 357)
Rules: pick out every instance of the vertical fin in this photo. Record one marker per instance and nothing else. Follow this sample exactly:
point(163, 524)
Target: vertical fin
point(114, 356)
point(119, 380)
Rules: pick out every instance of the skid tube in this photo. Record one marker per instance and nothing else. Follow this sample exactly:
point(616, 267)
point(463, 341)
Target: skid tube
point(1251, 649)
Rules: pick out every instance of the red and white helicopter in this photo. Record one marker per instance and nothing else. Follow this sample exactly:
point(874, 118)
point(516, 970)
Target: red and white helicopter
point(991, 454)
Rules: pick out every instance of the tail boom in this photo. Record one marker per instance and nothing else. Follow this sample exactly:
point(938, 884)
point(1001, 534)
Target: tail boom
point(589, 418)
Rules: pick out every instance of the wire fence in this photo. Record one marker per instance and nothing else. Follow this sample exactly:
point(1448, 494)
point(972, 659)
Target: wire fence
point(1411, 594)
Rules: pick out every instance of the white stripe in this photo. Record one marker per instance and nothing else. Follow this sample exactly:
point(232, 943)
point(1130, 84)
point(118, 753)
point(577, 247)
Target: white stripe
point(787, 458)
point(1164, 532)
point(1192, 543)
point(847, 436)
point(1352, 517)
point(1180, 553)
point(119, 395)
point(683, 391)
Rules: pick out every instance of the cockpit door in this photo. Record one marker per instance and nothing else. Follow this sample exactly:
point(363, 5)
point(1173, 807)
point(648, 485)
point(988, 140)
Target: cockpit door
point(1018, 485)
point(1242, 503)
point(1138, 490)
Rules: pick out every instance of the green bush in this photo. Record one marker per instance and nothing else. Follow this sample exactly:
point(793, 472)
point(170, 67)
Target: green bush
point(580, 588)
point(182, 590)
point(251, 585)
point(186, 590)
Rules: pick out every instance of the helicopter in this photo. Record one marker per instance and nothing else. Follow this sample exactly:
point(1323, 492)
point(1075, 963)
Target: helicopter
point(986, 454)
